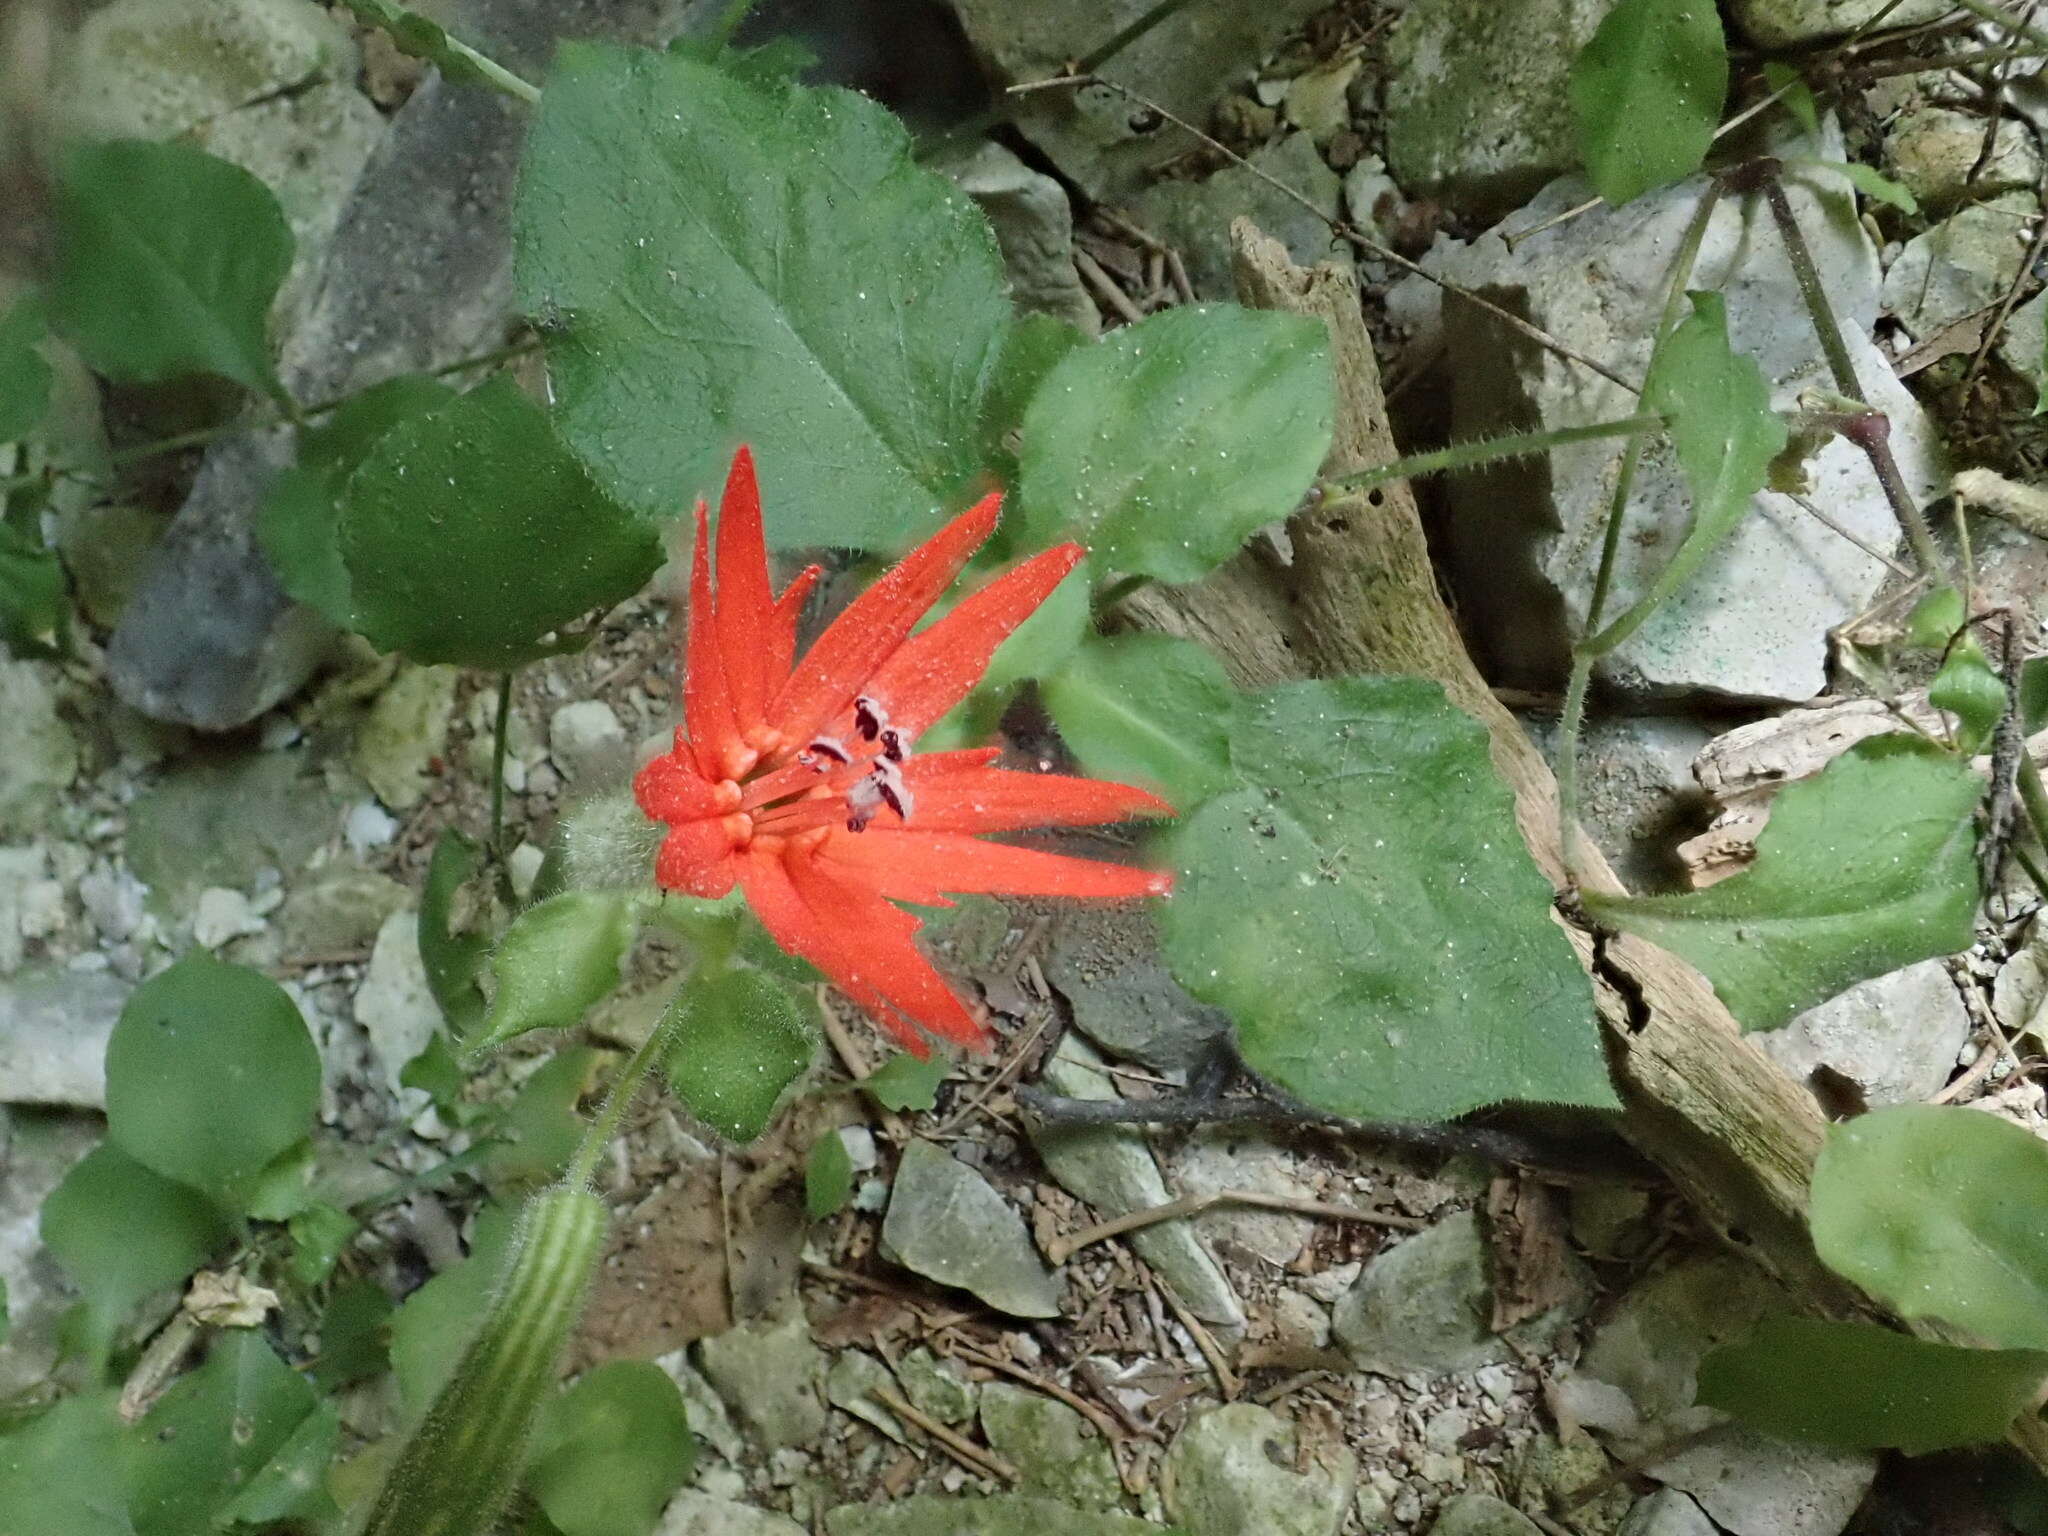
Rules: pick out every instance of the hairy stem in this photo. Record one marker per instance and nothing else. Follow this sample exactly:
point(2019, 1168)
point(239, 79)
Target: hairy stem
point(1489, 450)
point(597, 1136)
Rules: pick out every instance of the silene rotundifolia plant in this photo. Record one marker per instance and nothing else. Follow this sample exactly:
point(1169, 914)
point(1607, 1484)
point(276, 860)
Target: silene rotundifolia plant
point(797, 781)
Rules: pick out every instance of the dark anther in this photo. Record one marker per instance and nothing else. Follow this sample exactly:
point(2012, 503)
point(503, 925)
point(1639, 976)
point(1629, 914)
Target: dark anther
point(893, 747)
point(867, 718)
point(826, 747)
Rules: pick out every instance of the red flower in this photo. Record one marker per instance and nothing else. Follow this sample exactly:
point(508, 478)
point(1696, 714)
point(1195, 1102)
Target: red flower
point(798, 781)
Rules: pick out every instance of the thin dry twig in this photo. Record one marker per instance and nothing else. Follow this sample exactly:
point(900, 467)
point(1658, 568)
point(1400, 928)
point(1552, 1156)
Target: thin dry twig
point(978, 1459)
point(1228, 1382)
point(1060, 1249)
point(1104, 286)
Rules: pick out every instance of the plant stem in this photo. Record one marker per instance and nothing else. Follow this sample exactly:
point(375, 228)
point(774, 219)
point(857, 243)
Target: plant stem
point(1999, 16)
point(1568, 759)
point(598, 1134)
point(501, 731)
point(1118, 590)
point(1515, 445)
point(393, 18)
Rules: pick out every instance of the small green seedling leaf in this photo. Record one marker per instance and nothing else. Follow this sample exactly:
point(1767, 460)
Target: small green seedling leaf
point(285, 1188)
point(1969, 688)
point(2033, 694)
point(1794, 94)
point(355, 1335)
point(828, 1177)
point(716, 260)
point(1867, 867)
point(1859, 1387)
point(1367, 913)
point(24, 377)
point(292, 1485)
point(212, 1432)
point(54, 1471)
point(167, 262)
point(33, 589)
point(435, 1072)
point(1164, 445)
point(122, 1232)
point(610, 1452)
point(471, 536)
point(1718, 405)
point(1646, 94)
point(739, 1045)
point(320, 1234)
point(541, 1125)
point(1935, 620)
point(556, 961)
point(211, 1075)
point(904, 1084)
point(1149, 710)
point(452, 959)
point(1874, 184)
point(1930, 1209)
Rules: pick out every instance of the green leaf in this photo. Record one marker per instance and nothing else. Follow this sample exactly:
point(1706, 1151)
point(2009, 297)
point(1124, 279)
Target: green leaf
point(716, 261)
point(122, 1232)
point(1874, 184)
point(542, 1122)
point(1968, 688)
point(450, 959)
point(285, 1188)
point(210, 1433)
point(828, 1177)
point(1646, 94)
point(1164, 445)
point(904, 1083)
point(55, 1471)
point(1038, 646)
point(610, 1452)
point(471, 536)
point(1032, 346)
point(167, 262)
point(1149, 710)
point(1718, 405)
point(430, 1331)
point(421, 38)
point(1798, 95)
point(1859, 1387)
point(739, 1046)
point(2033, 694)
point(1369, 916)
point(435, 1072)
point(354, 1335)
point(292, 1485)
point(33, 590)
point(1867, 867)
point(24, 377)
point(1933, 1210)
point(211, 1073)
point(1935, 620)
point(320, 1234)
point(556, 960)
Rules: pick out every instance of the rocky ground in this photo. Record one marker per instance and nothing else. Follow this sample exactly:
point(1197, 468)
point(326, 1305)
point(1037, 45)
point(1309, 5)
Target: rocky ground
point(1351, 1338)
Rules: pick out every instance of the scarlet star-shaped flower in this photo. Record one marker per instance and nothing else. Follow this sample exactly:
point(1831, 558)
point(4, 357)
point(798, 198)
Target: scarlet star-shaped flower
point(797, 780)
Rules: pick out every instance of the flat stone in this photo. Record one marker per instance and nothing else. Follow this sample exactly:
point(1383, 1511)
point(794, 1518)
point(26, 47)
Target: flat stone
point(1104, 960)
point(336, 913)
point(1776, 23)
point(947, 1223)
point(1895, 1036)
point(1667, 1512)
point(1932, 151)
point(1231, 1473)
point(582, 736)
point(1752, 1485)
point(850, 1385)
point(1637, 794)
point(1480, 1514)
point(54, 1024)
point(1114, 1171)
point(224, 823)
point(769, 1375)
point(1962, 264)
point(1474, 97)
point(937, 1388)
point(1007, 1514)
point(1056, 1451)
point(404, 734)
point(223, 914)
point(691, 1513)
point(1248, 1158)
point(1194, 216)
point(394, 1004)
point(38, 756)
point(1034, 225)
point(20, 868)
point(1523, 538)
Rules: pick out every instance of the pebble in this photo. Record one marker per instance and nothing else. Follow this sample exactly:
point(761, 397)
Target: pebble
point(223, 914)
point(369, 826)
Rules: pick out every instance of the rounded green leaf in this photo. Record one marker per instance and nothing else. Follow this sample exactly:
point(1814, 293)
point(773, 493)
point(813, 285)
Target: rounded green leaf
point(1935, 619)
point(211, 1074)
point(1932, 1210)
point(555, 961)
point(429, 1331)
point(292, 1485)
point(167, 262)
point(904, 1082)
point(1149, 710)
point(1164, 445)
point(718, 261)
point(1646, 94)
point(610, 1452)
point(1860, 1387)
point(122, 1232)
point(1369, 916)
point(1968, 688)
point(828, 1177)
point(471, 536)
point(739, 1046)
point(54, 1471)
point(24, 377)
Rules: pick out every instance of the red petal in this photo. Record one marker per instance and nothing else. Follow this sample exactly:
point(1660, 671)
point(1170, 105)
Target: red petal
point(746, 608)
point(707, 706)
point(695, 859)
point(950, 797)
point(920, 866)
point(938, 666)
point(789, 609)
point(862, 638)
point(670, 789)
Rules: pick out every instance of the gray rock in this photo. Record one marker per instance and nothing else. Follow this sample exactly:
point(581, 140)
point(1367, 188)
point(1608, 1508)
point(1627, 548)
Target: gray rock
point(1034, 225)
point(1233, 1157)
point(1056, 1451)
point(583, 735)
point(709, 1421)
point(336, 913)
point(769, 1375)
point(948, 1224)
point(20, 868)
point(1931, 152)
point(1752, 1485)
point(394, 1004)
point(1523, 539)
point(37, 1148)
point(1100, 138)
point(1667, 1512)
point(1003, 1515)
point(2021, 346)
point(106, 547)
point(404, 732)
point(1481, 1514)
point(1231, 1473)
point(1962, 264)
point(222, 915)
point(224, 823)
point(1474, 97)
point(691, 1513)
point(1194, 216)
point(938, 1388)
point(1114, 1171)
point(850, 1385)
point(54, 1024)
point(1895, 1036)
point(38, 757)
point(1637, 795)
point(1105, 962)
point(1775, 23)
